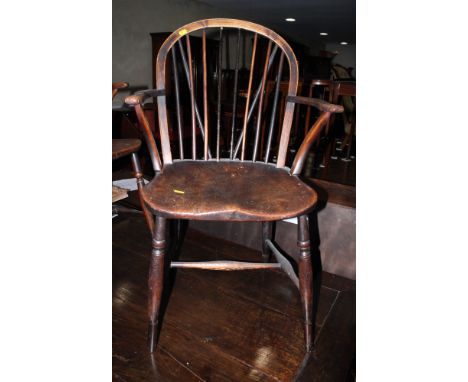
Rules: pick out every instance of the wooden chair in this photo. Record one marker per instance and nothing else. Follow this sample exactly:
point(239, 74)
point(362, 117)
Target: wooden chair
point(123, 147)
point(203, 185)
point(346, 92)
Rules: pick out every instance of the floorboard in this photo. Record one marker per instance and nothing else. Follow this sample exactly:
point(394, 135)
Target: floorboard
point(222, 326)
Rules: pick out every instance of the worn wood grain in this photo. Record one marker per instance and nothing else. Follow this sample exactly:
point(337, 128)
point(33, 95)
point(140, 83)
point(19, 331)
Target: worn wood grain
point(242, 191)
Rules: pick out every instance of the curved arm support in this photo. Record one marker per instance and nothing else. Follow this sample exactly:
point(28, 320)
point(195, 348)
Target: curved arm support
point(327, 109)
point(136, 101)
point(309, 139)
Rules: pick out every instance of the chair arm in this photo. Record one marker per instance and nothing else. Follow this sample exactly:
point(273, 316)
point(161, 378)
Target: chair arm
point(317, 103)
point(309, 139)
point(140, 96)
point(136, 101)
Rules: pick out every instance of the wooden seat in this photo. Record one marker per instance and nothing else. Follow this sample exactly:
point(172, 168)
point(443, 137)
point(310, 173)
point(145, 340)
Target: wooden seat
point(227, 177)
point(209, 190)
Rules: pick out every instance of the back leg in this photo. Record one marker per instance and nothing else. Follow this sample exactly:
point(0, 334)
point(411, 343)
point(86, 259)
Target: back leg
point(267, 233)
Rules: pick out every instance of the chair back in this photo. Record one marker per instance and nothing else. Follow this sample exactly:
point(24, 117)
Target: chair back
point(224, 124)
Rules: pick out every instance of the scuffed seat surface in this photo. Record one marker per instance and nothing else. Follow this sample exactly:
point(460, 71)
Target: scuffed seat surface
point(243, 191)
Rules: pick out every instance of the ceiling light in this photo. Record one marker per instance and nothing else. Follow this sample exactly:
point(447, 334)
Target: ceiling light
point(323, 34)
point(290, 19)
point(343, 43)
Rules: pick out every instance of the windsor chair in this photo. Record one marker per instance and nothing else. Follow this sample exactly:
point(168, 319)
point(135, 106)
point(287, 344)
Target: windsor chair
point(229, 181)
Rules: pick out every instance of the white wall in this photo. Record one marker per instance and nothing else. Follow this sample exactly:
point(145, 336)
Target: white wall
point(132, 23)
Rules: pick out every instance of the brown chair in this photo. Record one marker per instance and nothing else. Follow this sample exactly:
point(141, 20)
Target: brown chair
point(348, 91)
point(234, 182)
point(344, 92)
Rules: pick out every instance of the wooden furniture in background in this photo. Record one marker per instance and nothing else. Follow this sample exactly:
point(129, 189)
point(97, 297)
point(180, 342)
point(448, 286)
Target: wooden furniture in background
point(235, 184)
point(326, 93)
point(347, 90)
point(122, 147)
point(344, 92)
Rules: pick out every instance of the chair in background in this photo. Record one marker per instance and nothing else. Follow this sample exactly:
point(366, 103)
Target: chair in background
point(325, 89)
point(201, 184)
point(322, 89)
point(344, 92)
point(348, 91)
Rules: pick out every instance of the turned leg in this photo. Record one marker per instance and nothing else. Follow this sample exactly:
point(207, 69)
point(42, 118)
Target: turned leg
point(267, 233)
point(139, 177)
point(305, 279)
point(155, 279)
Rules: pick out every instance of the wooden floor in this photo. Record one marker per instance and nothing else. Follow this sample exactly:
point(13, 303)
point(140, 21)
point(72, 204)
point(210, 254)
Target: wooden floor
point(224, 326)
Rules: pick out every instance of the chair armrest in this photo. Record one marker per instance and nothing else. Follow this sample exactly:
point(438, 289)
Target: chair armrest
point(141, 95)
point(317, 103)
point(136, 101)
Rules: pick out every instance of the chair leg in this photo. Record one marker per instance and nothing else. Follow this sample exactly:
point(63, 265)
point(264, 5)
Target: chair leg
point(155, 279)
point(305, 279)
point(267, 233)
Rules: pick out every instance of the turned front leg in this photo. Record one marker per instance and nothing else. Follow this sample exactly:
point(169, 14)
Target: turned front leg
point(155, 279)
point(305, 279)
